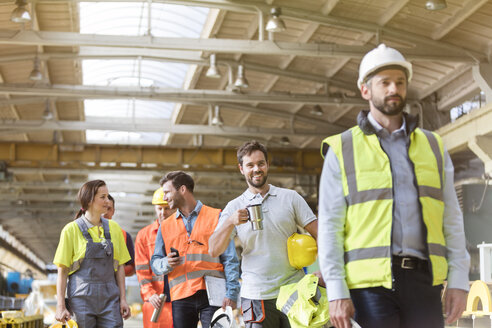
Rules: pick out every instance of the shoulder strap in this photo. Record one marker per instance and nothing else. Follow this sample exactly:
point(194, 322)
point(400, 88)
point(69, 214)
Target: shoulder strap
point(83, 228)
point(105, 224)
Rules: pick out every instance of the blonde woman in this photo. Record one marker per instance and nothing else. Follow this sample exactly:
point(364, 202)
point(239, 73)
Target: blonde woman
point(91, 254)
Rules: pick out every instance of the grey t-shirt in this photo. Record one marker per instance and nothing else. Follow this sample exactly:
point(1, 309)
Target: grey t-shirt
point(265, 265)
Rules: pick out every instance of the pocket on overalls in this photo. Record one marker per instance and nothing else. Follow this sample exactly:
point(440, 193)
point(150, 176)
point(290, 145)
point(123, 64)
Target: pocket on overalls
point(253, 310)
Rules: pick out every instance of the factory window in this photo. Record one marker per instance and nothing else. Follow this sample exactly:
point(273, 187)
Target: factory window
point(136, 69)
point(474, 103)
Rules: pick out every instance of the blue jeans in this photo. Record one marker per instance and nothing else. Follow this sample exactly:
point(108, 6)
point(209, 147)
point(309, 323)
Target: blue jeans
point(187, 311)
point(413, 303)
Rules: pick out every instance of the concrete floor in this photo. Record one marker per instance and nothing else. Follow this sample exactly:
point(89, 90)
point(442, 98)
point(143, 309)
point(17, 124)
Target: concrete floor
point(133, 323)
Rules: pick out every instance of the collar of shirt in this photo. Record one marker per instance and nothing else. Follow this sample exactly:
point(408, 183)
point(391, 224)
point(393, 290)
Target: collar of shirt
point(380, 129)
point(195, 211)
point(100, 231)
point(89, 223)
point(250, 196)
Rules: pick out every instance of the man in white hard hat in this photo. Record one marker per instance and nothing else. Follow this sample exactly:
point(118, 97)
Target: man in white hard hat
point(390, 226)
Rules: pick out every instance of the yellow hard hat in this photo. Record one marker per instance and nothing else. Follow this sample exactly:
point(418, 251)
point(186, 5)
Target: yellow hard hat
point(301, 250)
point(158, 198)
point(70, 324)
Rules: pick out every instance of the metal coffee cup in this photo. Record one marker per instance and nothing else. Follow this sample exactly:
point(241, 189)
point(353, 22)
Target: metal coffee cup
point(255, 215)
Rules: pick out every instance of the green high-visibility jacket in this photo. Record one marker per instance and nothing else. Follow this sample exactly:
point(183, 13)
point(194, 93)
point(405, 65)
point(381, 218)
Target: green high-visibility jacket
point(368, 190)
point(305, 303)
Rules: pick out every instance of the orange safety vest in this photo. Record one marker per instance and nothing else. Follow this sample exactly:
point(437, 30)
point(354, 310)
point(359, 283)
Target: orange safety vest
point(150, 284)
point(186, 279)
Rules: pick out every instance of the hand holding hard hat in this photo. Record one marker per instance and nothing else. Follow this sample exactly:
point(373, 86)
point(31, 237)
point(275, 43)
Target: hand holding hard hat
point(223, 319)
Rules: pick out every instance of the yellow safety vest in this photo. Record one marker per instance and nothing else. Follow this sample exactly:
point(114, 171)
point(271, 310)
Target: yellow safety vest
point(368, 190)
point(304, 303)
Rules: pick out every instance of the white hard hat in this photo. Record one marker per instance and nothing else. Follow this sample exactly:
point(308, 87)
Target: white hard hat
point(380, 57)
point(223, 319)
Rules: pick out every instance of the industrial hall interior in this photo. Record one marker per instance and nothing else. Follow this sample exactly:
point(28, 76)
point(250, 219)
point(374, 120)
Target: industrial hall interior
point(126, 91)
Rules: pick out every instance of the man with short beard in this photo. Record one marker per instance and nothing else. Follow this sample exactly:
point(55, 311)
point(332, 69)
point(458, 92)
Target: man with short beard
point(265, 265)
point(181, 252)
point(390, 226)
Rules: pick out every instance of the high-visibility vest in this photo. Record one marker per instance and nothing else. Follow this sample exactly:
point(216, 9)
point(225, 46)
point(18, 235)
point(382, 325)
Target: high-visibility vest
point(368, 190)
point(304, 303)
point(151, 284)
point(187, 278)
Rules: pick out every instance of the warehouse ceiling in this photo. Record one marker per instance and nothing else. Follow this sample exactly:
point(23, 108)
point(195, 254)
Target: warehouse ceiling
point(123, 91)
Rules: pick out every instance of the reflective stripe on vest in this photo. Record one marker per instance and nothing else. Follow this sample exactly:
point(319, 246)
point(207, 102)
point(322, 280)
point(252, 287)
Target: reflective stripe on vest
point(368, 190)
point(202, 257)
point(194, 275)
point(142, 267)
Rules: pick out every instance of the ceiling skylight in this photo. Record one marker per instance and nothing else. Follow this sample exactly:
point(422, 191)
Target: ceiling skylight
point(129, 18)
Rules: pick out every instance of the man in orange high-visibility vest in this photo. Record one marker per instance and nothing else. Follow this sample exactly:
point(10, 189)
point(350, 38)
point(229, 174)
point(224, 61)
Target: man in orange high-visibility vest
point(181, 252)
point(151, 285)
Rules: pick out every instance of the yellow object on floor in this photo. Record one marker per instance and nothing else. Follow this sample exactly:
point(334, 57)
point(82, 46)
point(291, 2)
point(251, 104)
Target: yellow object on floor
point(12, 314)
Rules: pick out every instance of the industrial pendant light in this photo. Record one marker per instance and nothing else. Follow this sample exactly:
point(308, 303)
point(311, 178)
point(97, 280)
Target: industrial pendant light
point(47, 113)
point(275, 23)
point(20, 14)
point(217, 120)
point(36, 74)
point(212, 71)
point(241, 81)
point(285, 141)
point(435, 4)
point(317, 111)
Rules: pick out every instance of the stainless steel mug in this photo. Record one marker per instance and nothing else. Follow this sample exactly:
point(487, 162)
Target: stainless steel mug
point(255, 215)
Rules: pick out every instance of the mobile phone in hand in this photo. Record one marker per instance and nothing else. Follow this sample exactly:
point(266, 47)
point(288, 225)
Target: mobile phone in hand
point(175, 251)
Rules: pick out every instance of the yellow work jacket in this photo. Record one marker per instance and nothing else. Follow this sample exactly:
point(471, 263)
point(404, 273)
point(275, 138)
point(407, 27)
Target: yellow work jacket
point(305, 303)
point(368, 190)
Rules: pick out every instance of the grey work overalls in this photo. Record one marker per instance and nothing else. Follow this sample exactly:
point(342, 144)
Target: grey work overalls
point(93, 294)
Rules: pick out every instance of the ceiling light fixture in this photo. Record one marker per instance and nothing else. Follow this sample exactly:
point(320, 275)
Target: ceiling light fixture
point(213, 71)
point(435, 4)
point(217, 119)
point(56, 138)
point(317, 111)
point(36, 74)
point(285, 141)
point(241, 81)
point(20, 14)
point(47, 113)
point(275, 23)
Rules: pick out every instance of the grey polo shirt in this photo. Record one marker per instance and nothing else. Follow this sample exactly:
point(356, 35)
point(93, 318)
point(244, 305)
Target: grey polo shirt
point(265, 266)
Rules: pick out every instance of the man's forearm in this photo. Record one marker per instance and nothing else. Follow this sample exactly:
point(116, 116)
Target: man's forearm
point(160, 265)
point(218, 242)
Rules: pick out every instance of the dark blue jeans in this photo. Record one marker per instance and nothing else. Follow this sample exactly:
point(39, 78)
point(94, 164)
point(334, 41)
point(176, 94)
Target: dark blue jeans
point(414, 302)
point(187, 311)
